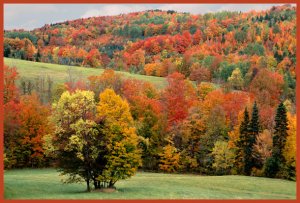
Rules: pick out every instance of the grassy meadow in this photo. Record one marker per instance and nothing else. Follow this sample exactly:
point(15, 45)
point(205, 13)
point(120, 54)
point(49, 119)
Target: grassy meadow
point(59, 73)
point(46, 184)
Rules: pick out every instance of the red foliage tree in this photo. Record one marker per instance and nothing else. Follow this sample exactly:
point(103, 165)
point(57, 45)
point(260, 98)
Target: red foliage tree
point(235, 102)
point(34, 126)
point(197, 37)
point(267, 87)
point(10, 89)
point(178, 97)
point(93, 58)
point(200, 74)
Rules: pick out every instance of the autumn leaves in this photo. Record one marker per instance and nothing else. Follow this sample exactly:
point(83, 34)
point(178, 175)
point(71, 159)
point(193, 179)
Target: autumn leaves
point(100, 146)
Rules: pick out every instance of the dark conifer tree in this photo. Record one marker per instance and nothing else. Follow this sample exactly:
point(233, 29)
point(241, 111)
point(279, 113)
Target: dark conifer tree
point(242, 142)
point(223, 38)
point(254, 129)
point(276, 163)
point(254, 124)
point(267, 17)
point(38, 56)
point(280, 134)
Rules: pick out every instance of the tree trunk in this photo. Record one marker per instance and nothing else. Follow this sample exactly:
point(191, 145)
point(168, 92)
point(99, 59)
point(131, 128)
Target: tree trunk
point(88, 185)
point(97, 184)
point(111, 184)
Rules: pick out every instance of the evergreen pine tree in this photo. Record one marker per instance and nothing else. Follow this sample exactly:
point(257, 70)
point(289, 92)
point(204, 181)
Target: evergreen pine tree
point(267, 17)
point(254, 124)
point(242, 142)
point(254, 129)
point(280, 134)
point(38, 56)
point(223, 38)
point(275, 163)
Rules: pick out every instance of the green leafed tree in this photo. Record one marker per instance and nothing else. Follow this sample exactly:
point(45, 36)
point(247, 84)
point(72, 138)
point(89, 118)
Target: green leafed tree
point(224, 157)
point(99, 148)
point(76, 140)
point(236, 80)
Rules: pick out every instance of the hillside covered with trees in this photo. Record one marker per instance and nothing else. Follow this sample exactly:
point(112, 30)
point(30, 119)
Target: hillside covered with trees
point(228, 106)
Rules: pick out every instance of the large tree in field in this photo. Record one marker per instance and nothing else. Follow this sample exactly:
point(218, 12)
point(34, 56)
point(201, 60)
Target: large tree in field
point(99, 148)
point(120, 142)
point(76, 140)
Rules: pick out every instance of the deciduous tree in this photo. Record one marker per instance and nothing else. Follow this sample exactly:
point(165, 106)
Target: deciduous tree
point(223, 157)
point(122, 155)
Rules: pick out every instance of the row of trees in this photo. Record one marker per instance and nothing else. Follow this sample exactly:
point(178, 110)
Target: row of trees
point(178, 129)
point(264, 150)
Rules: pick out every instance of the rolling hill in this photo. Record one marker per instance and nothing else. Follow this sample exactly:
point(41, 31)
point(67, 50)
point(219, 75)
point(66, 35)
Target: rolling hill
point(59, 73)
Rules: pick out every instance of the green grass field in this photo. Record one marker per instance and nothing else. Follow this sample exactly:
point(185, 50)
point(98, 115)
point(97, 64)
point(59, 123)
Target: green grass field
point(45, 184)
point(58, 73)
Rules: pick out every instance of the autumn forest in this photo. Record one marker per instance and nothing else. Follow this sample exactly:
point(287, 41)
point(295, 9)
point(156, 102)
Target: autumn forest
point(227, 105)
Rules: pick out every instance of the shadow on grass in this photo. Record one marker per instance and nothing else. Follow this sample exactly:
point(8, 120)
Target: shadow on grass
point(126, 190)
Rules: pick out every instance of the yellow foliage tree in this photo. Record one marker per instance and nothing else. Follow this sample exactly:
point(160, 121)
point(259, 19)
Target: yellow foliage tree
point(289, 151)
point(169, 159)
point(75, 142)
point(236, 80)
point(122, 156)
point(114, 109)
point(203, 89)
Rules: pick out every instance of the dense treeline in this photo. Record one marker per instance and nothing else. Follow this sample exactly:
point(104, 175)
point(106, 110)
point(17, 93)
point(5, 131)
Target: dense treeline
point(181, 128)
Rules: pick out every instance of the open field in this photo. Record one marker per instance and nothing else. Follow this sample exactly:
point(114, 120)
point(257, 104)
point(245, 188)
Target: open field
point(58, 73)
point(45, 184)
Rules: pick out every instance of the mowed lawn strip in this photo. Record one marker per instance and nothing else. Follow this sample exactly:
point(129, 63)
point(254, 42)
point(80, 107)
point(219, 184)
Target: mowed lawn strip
point(46, 184)
point(59, 73)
